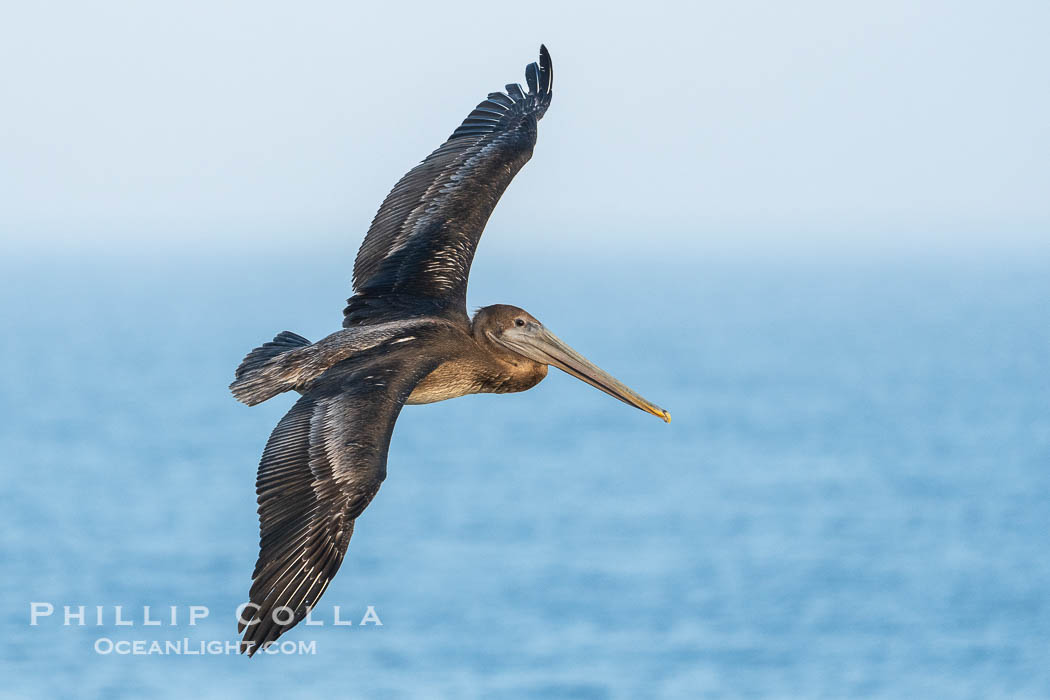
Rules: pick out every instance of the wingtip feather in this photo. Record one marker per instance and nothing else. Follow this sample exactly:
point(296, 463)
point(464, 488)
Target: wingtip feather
point(486, 117)
point(546, 70)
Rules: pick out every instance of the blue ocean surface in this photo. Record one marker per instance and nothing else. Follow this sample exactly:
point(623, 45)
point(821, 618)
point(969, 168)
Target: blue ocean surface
point(852, 499)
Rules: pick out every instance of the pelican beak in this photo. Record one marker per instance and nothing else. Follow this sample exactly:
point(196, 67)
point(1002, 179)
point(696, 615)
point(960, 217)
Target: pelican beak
point(539, 344)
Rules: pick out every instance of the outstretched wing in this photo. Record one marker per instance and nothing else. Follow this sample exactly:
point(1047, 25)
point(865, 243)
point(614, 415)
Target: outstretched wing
point(416, 257)
point(322, 466)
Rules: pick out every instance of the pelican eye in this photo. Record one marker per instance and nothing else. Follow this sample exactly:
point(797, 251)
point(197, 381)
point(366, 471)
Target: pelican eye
point(519, 322)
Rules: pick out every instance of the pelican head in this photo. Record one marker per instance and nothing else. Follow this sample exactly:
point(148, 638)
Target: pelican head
point(514, 331)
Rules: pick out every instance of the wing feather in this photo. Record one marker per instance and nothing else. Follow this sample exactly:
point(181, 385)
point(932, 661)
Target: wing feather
point(416, 257)
point(320, 469)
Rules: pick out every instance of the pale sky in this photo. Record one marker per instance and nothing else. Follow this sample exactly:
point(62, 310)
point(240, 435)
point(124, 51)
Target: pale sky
point(694, 126)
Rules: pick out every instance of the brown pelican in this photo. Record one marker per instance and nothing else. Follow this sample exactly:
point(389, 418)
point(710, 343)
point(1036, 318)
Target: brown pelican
point(406, 338)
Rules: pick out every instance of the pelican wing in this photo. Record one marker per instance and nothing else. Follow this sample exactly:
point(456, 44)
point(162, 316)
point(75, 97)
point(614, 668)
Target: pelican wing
point(416, 257)
point(322, 466)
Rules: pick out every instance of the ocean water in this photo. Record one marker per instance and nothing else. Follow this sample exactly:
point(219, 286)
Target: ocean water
point(853, 498)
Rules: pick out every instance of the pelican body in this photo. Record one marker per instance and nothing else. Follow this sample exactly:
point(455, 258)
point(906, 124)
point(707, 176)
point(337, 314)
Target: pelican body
point(406, 339)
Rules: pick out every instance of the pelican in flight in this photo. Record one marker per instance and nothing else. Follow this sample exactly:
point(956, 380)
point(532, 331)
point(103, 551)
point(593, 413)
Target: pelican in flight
point(406, 339)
